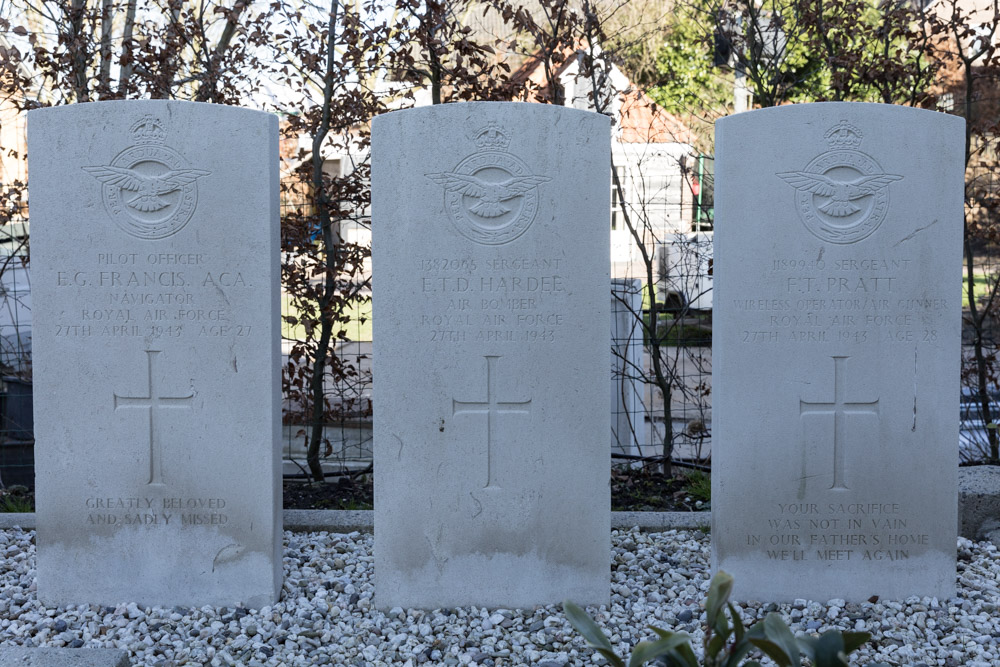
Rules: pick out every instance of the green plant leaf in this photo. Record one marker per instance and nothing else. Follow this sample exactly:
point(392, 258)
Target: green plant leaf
point(855, 640)
point(610, 656)
point(737, 652)
point(717, 643)
point(807, 646)
point(646, 651)
point(682, 655)
point(740, 646)
point(718, 594)
point(673, 659)
point(685, 655)
point(721, 627)
point(773, 651)
point(776, 630)
point(829, 649)
point(738, 628)
point(585, 625)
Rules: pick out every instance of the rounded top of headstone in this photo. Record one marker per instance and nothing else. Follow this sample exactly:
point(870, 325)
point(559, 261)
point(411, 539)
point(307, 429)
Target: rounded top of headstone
point(164, 113)
point(845, 112)
point(499, 111)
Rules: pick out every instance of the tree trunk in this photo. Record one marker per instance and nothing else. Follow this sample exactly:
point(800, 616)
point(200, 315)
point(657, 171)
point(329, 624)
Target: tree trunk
point(331, 246)
point(104, 79)
point(980, 358)
point(978, 320)
point(431, 17)
point(125, 71)
point(78, 63)
point(207, 89)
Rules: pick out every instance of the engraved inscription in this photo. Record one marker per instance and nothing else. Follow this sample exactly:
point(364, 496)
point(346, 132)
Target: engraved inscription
point(848, 301)
point(850, 531)
point(493, 300)
point(842, 196)
point(491, 196)
point(148, 189)
point(120, 512)
point(152, 295)
point(153, 402)
point(840, 408)
point(491, 407)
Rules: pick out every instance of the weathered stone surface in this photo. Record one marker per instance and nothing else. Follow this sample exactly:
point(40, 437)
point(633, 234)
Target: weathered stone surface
point(154, 266)
point(348, 521)
point(836, 351)
point(979, 501)
point(491, 328)
point(18, 656)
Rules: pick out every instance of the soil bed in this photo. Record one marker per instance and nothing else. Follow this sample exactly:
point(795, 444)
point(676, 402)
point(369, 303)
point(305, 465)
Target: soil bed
point(631, 490)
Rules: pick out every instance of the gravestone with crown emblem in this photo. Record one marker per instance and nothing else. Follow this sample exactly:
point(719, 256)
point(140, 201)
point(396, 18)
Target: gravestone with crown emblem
point(156, 361)
point(836, 351)
point(491, 329)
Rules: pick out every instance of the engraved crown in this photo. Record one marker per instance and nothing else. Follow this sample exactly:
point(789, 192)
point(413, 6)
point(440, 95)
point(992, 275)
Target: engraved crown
point(844, 135)
point(492, 137)
point(148, 130)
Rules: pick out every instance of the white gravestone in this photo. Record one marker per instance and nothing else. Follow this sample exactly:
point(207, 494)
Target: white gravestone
point(154, 234)
point(491, 329)
point(836, 351)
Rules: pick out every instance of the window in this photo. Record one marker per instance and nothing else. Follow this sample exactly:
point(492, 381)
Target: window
point(704, 194)
point(660, 204)
point(617, 217)
point(946, 102)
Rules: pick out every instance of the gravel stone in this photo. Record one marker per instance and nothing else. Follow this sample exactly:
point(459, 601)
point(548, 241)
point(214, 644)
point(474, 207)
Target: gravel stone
point(325, 615)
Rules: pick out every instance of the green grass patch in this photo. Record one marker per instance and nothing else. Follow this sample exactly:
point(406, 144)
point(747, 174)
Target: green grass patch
point(684, 334)
point(699, 485)
point(983, 282)
point(16, 499)
point(673, 302)
point(358, 327)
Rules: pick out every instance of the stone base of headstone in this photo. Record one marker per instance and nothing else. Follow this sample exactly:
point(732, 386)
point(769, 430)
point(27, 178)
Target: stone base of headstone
point(19, 656)
point(979, 501)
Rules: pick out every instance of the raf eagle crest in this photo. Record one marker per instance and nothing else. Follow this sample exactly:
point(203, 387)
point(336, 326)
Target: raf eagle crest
point(491, 196)
point(842, 196)
point(148, 189)
point(841, 193)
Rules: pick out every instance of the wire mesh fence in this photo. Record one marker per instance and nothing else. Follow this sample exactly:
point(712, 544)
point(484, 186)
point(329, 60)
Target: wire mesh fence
point(346, 425)
point(16, 418)
point(979, 410)
point(662, 239)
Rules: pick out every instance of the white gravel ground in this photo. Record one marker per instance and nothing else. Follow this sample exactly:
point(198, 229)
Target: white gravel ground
point(325, 615)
